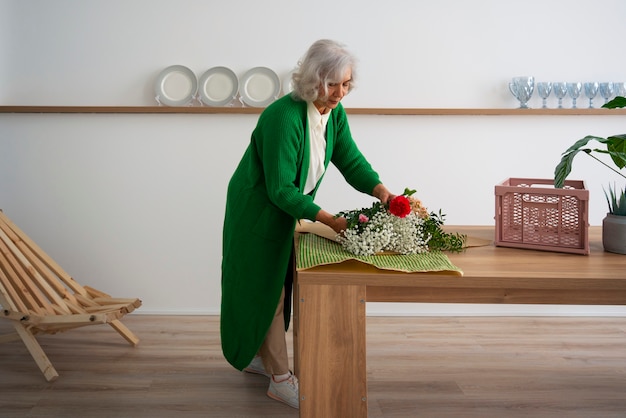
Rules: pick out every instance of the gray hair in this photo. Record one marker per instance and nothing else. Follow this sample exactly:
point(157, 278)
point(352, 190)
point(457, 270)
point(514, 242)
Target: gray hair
point(325, 62)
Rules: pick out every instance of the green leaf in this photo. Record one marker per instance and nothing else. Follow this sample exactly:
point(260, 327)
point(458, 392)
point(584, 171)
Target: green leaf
point(564, 167)
point(584, 141)
point(617, 148)
point(616, 200)
point(618, 101)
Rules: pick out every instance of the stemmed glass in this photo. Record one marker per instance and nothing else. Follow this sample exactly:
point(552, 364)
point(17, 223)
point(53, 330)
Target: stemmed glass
point(591, 89)
point(522, 89)
point(560, 90)
point(573, 89)
point(543, 89)
point(606, 91)
point(619, 89)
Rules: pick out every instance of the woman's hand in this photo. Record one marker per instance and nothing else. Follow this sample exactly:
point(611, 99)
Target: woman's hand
point(338, 224)
point(381, 193)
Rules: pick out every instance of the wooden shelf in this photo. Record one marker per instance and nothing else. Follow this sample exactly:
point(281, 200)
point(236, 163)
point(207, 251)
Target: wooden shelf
point(352, 111)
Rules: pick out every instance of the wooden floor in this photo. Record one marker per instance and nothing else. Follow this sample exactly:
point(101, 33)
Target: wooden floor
point(417, 367)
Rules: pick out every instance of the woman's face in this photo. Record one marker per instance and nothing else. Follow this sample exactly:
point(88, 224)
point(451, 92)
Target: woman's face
point(336, 91)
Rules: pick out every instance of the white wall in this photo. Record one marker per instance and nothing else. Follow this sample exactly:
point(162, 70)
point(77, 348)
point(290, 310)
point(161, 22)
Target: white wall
point(133, 204)
point(5, 34)
point(449, 53)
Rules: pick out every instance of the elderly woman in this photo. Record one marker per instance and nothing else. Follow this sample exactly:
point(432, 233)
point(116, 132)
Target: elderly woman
point(274, 185)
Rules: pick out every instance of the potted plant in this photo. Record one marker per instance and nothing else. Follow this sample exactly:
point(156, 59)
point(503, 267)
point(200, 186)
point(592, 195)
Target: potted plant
point(614, 225)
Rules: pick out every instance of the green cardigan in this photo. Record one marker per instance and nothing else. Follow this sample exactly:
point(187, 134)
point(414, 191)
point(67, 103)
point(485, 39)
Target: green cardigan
point(263, 203)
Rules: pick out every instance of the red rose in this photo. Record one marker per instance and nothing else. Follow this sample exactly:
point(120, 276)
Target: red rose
point(400, 206)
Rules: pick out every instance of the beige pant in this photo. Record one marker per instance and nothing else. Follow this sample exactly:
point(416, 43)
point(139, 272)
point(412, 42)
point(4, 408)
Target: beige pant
point(273, 352)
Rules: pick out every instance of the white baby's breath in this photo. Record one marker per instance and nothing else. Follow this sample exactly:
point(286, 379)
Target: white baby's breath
point(408, 235)
point(387, 232)
point(402, 226)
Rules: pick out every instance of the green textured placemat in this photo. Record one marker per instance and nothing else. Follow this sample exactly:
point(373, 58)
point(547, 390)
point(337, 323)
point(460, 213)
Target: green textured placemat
point(316, 251)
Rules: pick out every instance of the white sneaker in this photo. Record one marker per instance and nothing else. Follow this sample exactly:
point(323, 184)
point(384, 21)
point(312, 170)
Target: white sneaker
point(256, 367)
point(285, 391)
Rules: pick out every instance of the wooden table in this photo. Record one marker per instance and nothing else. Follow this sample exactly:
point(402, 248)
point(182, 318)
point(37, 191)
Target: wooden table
point(329, 306)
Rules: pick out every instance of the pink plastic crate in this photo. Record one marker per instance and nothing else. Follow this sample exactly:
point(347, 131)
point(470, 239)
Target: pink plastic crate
point(532, 214)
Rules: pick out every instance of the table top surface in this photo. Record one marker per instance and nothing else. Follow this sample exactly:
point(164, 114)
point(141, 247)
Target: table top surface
point(489, 265)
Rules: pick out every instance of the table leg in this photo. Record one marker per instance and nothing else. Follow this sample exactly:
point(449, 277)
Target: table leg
point(329, 350)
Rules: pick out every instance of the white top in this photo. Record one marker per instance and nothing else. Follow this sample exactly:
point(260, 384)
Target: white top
point(317, 136)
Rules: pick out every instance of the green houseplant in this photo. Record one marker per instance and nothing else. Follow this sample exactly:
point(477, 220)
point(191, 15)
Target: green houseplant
point(614, 225)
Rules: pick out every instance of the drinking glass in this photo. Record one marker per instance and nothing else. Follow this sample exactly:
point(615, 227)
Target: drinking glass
point(591, 89)
point(573, 89)
point(606, 91)
point(522, 88)
point(560, 90)
point(544, 88)
point(619, 89)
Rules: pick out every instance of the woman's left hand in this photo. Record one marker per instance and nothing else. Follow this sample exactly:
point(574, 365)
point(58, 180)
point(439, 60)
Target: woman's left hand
point(338, 224)
point(381, 193)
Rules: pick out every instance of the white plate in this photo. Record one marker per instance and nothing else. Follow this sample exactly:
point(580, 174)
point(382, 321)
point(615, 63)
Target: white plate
point(175, 86)
point(260, 86)
point(218, 86)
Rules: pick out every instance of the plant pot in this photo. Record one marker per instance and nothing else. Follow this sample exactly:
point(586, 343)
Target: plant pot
point(614, 233)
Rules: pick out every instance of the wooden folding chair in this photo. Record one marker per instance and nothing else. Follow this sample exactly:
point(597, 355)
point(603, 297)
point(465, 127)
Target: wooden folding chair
point(39, 297)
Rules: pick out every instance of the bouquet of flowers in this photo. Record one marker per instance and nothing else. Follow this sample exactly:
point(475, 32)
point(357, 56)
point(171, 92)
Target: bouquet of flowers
point(402, 226)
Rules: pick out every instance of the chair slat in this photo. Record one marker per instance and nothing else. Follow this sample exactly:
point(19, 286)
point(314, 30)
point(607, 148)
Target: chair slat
point(95, 293)
point(47, 260)
point(32, 273)
point(46, 273)
point(24, 293)
point(9, 299)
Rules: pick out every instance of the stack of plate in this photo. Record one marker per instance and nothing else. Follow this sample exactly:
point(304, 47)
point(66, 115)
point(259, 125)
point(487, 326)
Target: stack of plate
point(177, 86)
